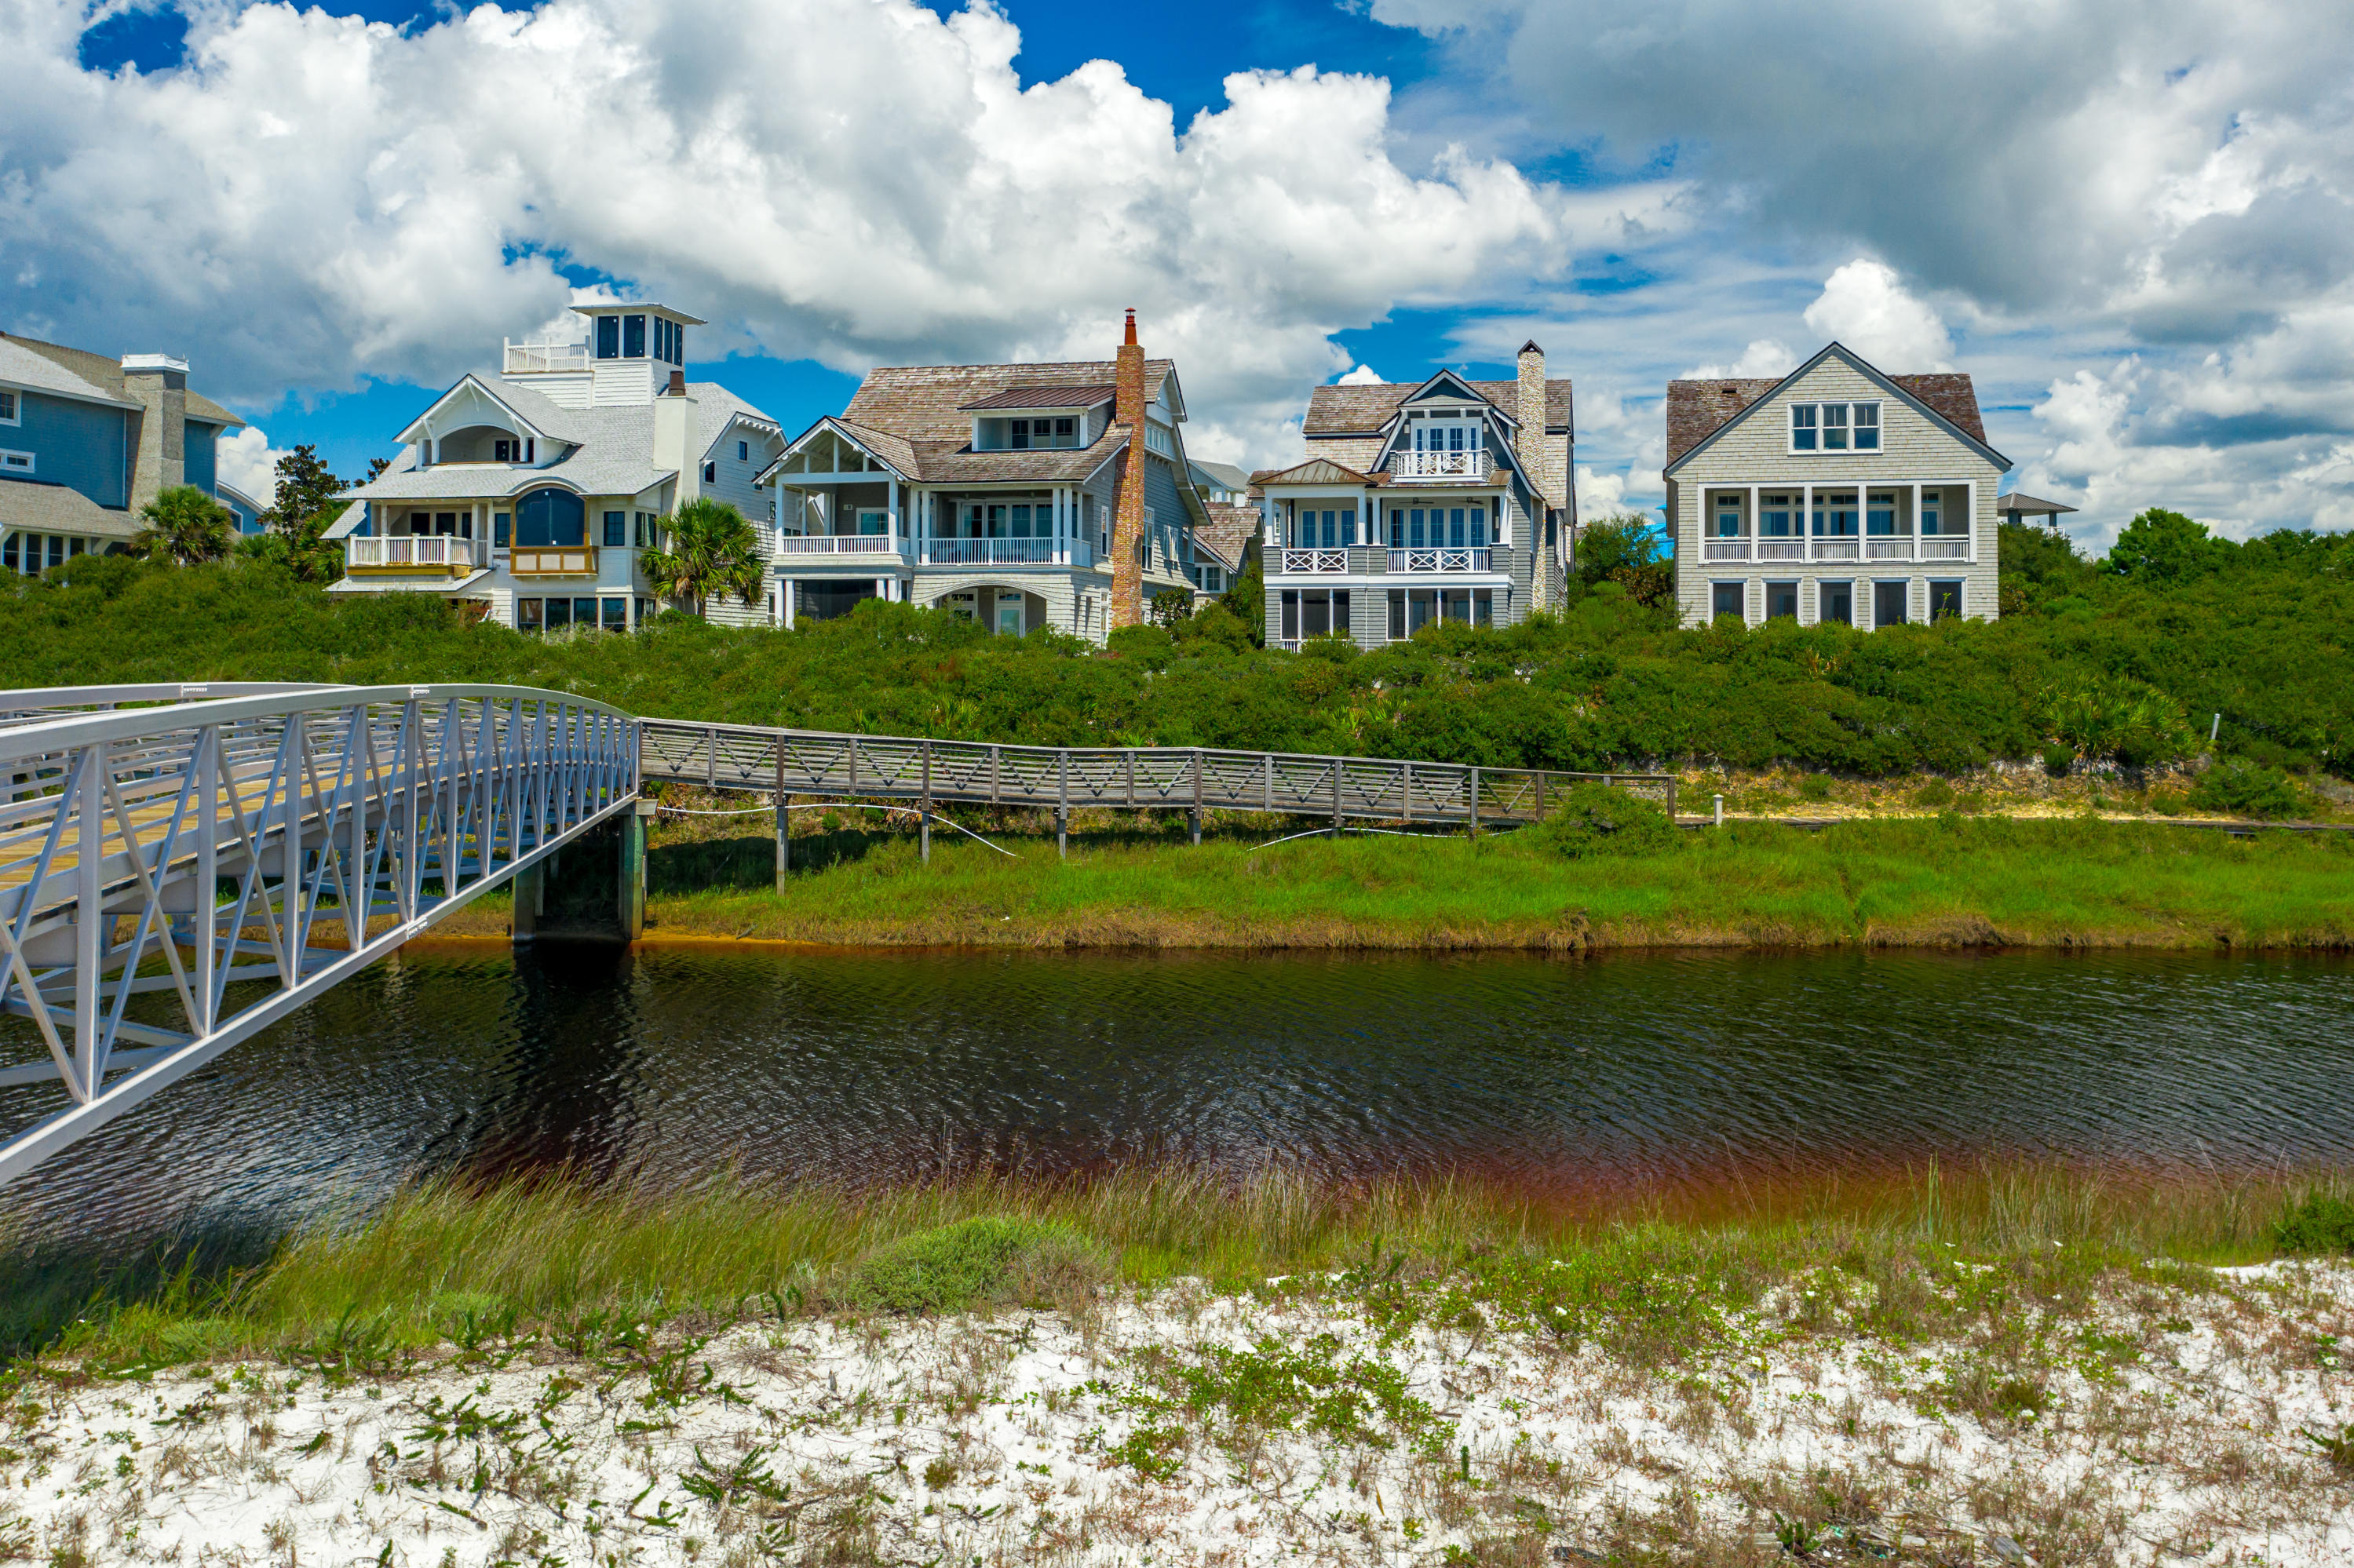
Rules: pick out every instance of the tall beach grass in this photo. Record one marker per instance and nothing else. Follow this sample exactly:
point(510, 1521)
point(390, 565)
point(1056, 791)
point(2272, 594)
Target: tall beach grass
point(552, 1251)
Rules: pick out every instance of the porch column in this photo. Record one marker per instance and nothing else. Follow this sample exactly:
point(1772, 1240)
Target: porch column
point(1806, 521)
point(1757, 524)
point(1971, 511)
point(785, 588)
point(1917, 546)
point(894, 526)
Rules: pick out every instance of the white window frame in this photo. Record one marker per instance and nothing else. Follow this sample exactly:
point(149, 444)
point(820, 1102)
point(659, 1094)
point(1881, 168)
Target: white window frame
point(1821, 427)
point(16, 406)
point(16, 461)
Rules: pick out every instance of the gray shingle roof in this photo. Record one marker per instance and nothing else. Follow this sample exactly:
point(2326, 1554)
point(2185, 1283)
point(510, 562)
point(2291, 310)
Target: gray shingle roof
point(21, 366)
point(1697, 410)
point(60, 509)
point(1365, 407)
point(95, 373)
point(1228, 532)
point(613, 449)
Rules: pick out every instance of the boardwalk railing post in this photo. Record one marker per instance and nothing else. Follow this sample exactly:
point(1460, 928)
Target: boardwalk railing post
point(1475, 800)
point(1406, 793)
point(711, 758)
point(924, 815)
point(784, 824)
point(1063, 808)
point(1336, 797)
point(1197, 796)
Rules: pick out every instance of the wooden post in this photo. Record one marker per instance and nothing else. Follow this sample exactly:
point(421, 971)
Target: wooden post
point(711, 758)
point(1407, 792)
point(1197, 797)
point(633, 871)
point(924, 817)
point(1475, 801)
point(1336, 797)
point(785, 825)
point(1063, 809)
point(1541, 784)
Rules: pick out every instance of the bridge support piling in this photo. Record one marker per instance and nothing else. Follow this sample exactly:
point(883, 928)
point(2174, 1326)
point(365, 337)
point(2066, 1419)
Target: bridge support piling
point(527, 884)
point(632, 890)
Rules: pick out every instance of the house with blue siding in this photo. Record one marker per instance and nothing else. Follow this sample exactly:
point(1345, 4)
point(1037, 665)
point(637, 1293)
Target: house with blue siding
point(1019, 496)
point(87, 440)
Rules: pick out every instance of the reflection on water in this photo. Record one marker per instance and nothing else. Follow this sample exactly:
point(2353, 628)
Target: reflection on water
point(1563, 1074)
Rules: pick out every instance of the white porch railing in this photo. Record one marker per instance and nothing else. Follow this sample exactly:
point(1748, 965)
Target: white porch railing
point(398, 552)
point(536, 356)
point(1897, 547)
point(1314, 561)
point(1048, 552)
point(1438, 560)
point(844, 544)
point(1418, 467)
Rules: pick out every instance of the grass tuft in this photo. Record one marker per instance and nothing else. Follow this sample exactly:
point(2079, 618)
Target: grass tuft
point(988, 1260)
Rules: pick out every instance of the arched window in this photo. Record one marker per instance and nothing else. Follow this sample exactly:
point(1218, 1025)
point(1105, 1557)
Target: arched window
point(550, 518)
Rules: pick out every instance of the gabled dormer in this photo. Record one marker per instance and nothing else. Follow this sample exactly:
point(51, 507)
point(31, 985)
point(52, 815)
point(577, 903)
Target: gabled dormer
point(1446, 428)
point(471, 424)
point(1041, 419)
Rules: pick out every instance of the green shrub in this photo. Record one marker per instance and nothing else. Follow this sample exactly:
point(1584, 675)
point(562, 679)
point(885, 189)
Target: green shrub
point(1598, 819)
point(2318, 1225)
point(1937, 793)
point(1815, 788)
point(2057, 761)
point(975, 1263)
point(2245, 790)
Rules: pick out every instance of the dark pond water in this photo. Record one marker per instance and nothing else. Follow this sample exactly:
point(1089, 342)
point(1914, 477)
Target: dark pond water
point(1562, 1074)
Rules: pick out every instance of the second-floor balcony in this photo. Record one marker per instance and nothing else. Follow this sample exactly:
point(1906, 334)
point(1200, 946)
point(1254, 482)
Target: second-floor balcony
point(426, 553)
point(553, 561)
point(1046, 552)
point(1297, 561)
point(845, 544)
point(1836, 548)
point(1441, 559)
point(1425, 468)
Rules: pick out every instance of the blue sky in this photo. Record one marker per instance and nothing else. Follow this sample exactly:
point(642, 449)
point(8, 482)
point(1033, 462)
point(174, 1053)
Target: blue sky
point(2130, 220)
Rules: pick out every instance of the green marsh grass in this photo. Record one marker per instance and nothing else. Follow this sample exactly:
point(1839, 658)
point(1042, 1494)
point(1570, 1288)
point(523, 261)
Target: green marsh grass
point(444, 1259)
point(1933, 881)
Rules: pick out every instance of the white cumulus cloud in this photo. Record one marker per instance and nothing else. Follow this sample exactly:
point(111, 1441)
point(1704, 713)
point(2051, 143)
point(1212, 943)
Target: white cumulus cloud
point(312, 200)
point(1865, 306)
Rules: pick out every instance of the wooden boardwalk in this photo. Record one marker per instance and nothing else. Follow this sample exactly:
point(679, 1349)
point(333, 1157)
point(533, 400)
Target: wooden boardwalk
point(1071, 778)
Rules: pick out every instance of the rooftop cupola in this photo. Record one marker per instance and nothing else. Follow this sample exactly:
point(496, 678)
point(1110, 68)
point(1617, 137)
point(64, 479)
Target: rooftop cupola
point(629, 353)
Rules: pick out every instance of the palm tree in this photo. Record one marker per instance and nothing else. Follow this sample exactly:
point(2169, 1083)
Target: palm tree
point(184, 526)
point(707, 548)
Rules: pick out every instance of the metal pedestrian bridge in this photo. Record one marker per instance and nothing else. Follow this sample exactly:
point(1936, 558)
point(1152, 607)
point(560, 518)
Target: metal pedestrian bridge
point(230, 851)
point(238, 849)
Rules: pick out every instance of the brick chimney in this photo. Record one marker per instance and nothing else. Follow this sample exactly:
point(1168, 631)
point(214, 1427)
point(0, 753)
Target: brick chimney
point(1127, 517)
point(159, 383)
point(1535, 462)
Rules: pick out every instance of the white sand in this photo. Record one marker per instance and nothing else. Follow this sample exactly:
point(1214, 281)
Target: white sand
point(987, 1441)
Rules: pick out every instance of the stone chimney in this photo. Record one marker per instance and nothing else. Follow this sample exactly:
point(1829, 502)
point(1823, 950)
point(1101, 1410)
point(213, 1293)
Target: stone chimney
point(159, 384)
point(1536, 462)
point(1128, 518)
point(674, 424)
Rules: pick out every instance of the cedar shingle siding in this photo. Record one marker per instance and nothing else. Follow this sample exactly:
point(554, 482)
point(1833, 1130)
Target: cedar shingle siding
point(1735, 434)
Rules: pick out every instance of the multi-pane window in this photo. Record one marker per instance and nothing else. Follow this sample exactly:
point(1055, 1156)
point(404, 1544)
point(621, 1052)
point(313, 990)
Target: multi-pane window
point(1782, 600)
point(617, 528)
point(1774, 515)
point(1834, 427)
point(1025, 435)
point(1728, 517)
point(1932, 509)
point(1945, 598)
point(633, 337)
point(16, 462)
point(1312, 612)
point(743, 451)
point(1726, 599)
point(505, 451)
point(1879, 512)
point(9, 415)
